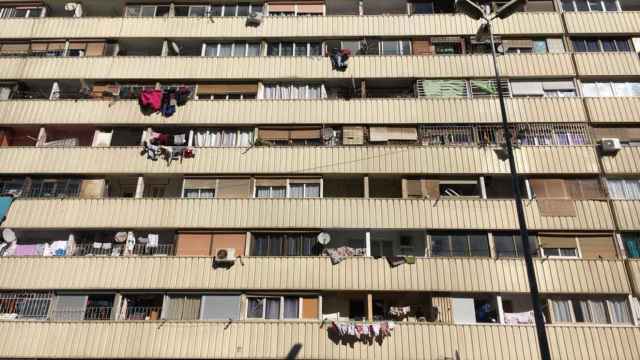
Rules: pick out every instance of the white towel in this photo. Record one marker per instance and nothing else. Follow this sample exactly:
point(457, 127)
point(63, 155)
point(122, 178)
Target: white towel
point(153, 240)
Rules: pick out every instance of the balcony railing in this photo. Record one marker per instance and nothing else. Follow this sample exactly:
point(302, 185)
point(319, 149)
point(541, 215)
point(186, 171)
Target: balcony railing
point(110, 249)
point(276, 339)
point(313, 273)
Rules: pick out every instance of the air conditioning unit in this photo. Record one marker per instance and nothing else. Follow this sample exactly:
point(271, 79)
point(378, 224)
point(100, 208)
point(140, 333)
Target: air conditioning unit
point(254, 18)
point(225, 255)
point(610, 145)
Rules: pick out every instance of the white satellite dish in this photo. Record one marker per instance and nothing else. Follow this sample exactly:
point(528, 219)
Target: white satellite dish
point(9, 236)
point(75, 7)
point(324, 238)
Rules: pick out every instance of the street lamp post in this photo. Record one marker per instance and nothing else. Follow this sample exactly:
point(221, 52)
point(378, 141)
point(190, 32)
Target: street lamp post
point(478, 12)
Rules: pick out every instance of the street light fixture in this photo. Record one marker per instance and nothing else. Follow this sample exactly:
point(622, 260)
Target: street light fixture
point(483, 13)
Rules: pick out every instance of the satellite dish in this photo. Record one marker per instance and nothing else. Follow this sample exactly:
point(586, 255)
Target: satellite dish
point(9, 236)
point(324, 238)
point(501, 49)
point(75, 7)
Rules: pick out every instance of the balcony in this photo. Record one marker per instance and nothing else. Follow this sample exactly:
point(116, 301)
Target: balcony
point(301, 160)
point(627, 214)
point(614, 109)
point(295, 213)
point(179, 68)
point(361, 111)
point(273, 339)
point(271, 27)
point(626, 161)
point(313, 273)
point(609, 23)
point(607, 64)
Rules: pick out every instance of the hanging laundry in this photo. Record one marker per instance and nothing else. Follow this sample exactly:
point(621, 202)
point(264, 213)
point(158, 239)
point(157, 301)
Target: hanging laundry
point(341, 253)
point(150, 101)
point(183, 95)
point(399, 312)
point(169, 103)
point(339, 59)
point(363, 332)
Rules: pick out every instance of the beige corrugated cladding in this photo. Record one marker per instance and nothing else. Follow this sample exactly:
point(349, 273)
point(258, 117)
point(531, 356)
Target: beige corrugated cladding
point(354, 111)
point(633, 269)
point(179, 68)
point(627, 214)
point(614, 109)
point(275, 339)
point(626, 161)
point(272, 27)
point(607, 64)
point(625, 22)
point(296, 213)
point(313, 274)
point(302, 160)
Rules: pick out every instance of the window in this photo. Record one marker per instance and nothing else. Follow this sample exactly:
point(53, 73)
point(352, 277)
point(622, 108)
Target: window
point(624, 189)
point(11, 186)
point(423, 7)
point(295, 9)
point(271, 191)
point(285, 244)
point(600, 45)
point(146, 10)
point(21, 12)
point(561, 310)
point(459, 188)
point(619, 311)
point(236, 49)
point(591, 310)
point(510, 245)
point(631, 243)
point(273, 307)
point(590, 5)
point(304, 190)
point(395, 47)
point(294, 49)
point(54, 188)
point(25, 305)
point(199, 193)
point(227, 137)
point(559, 252)
point(459, 245)
point(294, 91)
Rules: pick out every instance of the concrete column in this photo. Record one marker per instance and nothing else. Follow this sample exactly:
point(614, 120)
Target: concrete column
point(500, 309)
point(370, 307)
point(366, 187)
point(367, 241)
point(140, 188)
point(483, 188)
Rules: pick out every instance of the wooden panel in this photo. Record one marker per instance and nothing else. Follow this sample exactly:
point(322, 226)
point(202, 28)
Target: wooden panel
point(193, 244)
point(239, 188)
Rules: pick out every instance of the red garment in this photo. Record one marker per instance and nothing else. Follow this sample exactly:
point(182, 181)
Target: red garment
point(151, 99)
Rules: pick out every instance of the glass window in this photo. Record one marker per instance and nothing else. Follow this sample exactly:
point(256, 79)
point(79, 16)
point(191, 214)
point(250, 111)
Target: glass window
point(148, 11)
point(539, 46)
point(211, 50)
point(505, 246)
point(561, 310)
point(286, 49)
point(622, 45)
point(620, 313)
point(256, 8)
point(253, 49)
point(479, 245)
point(611, 5)
point(132, 11)
point(255, 308)
point(608, 45)
point(581, 5)
point(440, 245)
point(595, 5)
point(291, 307)
point(390, 48)
point(197, 11)
point(296, 190)
point(272, 309)
point(239, 50)
point(579, 45)
point(273, 49)
point(215, 10)
point(423, 8)
point(567, 5)
point(315, 49)
point(229, 10)
point(631, 243)
point(300, 49)
point(225, 50)
point(181, 11)
point(592, 45)
point(243, 10)
point(406, 47)
point(459, 246)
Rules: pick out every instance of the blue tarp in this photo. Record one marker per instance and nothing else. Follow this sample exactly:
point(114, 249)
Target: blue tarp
point(5, 204)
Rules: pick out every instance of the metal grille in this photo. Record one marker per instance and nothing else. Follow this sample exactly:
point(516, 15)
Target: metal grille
point(25, 305)
point(143, 312)
point(110, 249)
point(522, 134)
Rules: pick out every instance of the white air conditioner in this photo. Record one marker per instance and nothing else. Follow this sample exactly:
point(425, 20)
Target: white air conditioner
point(225, 255)
point(610, 145)
point(254, 18)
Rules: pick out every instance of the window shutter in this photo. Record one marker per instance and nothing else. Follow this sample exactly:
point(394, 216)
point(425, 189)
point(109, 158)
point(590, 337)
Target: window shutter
point(540, 6)
point(431, 188)
point(596, 246)
point(239, 188)
point(527, 88)
point(310, 307)
point(281, 7)
point(414, 188)
point(200, 183)
point(623, 133)
point(352, 135)
point(14, 48)
point(421, 47)
point(236, 241)
point(557, 241)
point(271, 182)
point(403, 133)
point(311, 8)
point(220, 307)
point(92, 189)
point(378, 134)
point(558, 85)
point(518, 43)
point(193, 244)
point(555, 45)
point(273, 134)
point(227, 89)
point(96, 49)
point(304, 134)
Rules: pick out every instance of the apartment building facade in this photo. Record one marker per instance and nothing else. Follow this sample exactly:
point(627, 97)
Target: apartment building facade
point(198, 179)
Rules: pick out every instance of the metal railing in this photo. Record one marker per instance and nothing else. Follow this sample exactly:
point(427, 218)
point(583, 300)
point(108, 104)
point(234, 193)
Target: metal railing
point(143, 313)
point(25, 305)
point(112, 249)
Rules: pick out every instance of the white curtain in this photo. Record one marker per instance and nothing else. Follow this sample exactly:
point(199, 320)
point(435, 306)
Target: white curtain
point(620, 311)
point(291, 305)
point(312, 190)
point(278, 192)
point(296, 190)
point(263, 191)
point(598, 311)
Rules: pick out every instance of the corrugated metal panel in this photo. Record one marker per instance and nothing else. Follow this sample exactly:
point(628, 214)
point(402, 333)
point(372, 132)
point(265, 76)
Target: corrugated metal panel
point(633, 268)
point(607, 64)
point(308, 26)
point(276, 339)
point(301, 160)
point(627, 214)
point(295, 213)
point(625, 22)
point(626, 161)
point(614, 109)
point(178, 68)
point(361, 111)
point(312, 273)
